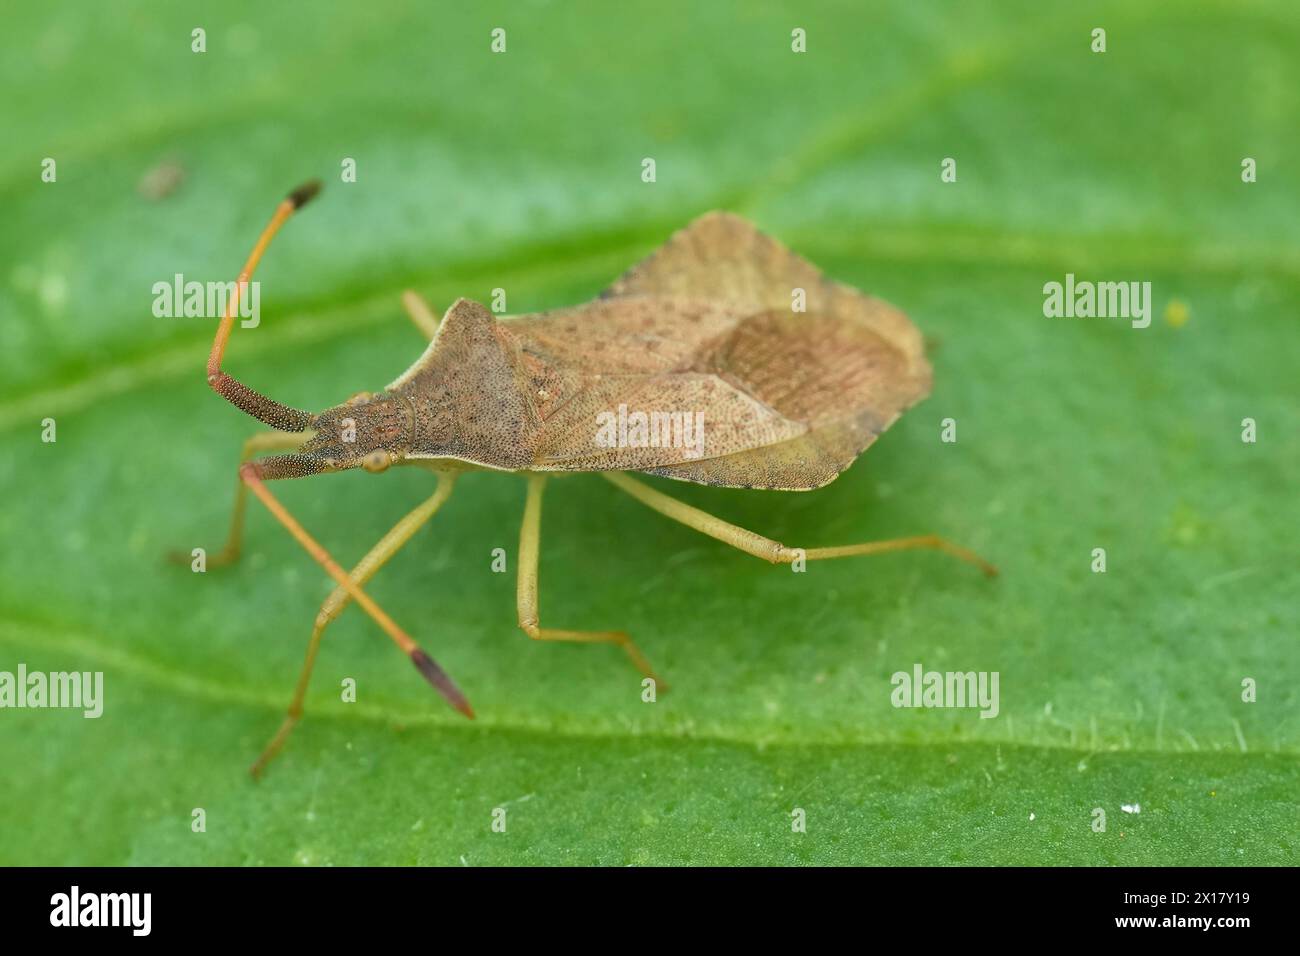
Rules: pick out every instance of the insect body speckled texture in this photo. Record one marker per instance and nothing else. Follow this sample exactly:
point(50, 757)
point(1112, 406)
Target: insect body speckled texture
point(702, 331)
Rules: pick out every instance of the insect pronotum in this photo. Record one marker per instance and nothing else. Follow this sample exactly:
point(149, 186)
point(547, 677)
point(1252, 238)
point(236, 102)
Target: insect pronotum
point(703, 329)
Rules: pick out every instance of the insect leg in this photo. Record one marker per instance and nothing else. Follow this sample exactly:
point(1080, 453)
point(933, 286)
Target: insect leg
point(366, 568)
point(420, 313)
point(774, 551)
point(255, 445)
point(526, 593)
point(251, 474)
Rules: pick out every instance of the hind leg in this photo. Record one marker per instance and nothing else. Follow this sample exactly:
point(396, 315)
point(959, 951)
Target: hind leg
point(774, 551)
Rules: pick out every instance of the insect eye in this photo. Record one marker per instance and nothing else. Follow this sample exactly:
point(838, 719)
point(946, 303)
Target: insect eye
point(376, 461)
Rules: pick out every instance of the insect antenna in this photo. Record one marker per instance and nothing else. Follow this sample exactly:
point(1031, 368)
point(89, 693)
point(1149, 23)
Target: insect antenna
point(238, 394)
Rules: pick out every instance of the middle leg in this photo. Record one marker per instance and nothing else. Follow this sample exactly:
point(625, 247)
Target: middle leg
point(420, 313)
point(526, 592)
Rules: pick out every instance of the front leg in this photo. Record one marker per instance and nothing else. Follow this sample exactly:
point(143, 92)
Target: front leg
point(254, 446)
point(340, 597)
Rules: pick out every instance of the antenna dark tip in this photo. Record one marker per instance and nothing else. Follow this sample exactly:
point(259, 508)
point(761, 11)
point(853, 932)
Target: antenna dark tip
point(304, 193)
point(436, 676)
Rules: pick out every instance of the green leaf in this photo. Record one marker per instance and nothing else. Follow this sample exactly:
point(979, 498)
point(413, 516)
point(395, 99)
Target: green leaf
point(522, 171)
